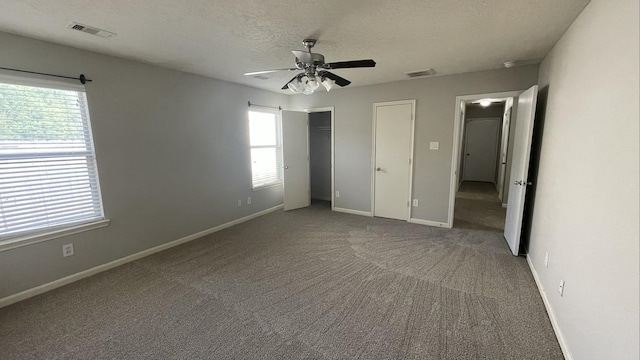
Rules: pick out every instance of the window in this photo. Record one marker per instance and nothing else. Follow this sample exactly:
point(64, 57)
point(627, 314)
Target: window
point(266, 148)
point(48, 172)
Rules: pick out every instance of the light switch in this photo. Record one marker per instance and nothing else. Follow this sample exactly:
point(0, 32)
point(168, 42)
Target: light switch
point(434, 145)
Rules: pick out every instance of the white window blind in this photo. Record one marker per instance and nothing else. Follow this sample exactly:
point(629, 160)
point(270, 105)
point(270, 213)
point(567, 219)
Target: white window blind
point(48, 172)
point(266, 148)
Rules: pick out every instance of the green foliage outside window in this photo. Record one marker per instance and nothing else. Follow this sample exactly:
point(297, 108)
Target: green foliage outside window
point(33, 113)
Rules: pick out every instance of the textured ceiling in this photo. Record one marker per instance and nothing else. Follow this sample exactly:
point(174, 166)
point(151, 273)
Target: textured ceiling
point(226, 38)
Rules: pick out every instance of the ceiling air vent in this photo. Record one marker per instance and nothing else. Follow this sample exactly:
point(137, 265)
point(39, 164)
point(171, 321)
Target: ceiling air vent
point(91, 30)
point(261, 77)
point(419, 73)
point(514, 63)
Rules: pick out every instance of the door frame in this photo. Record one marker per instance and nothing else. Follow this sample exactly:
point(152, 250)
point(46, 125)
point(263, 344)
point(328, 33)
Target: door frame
point(457, 143)
point(411, 102)
point(505, 135)
point(330, 109)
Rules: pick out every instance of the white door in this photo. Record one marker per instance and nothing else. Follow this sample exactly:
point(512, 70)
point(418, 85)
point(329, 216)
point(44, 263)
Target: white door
point(520, 167)
point(295, 159)
point(393, 149)
point(481, 150)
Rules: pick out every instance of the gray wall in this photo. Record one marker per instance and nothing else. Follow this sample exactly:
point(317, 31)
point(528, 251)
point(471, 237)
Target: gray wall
point(435, 101)
point(587, 198)
point(172, 152)
point(320, 155)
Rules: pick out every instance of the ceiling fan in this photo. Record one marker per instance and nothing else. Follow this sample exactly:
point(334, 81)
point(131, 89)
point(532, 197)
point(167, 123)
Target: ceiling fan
point(315, 70)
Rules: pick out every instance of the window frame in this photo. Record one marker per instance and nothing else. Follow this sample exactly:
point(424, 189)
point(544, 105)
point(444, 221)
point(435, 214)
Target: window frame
point(277, 147)
point(25, 237)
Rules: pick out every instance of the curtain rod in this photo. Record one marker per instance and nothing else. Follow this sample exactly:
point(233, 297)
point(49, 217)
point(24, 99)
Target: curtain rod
point(81, 78)
point(264, 106)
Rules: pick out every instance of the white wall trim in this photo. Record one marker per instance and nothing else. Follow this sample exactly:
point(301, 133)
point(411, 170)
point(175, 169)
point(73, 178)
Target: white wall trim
point(354, 212)
point(457, 141)
point(504, 205)
point(428, 222)
point(11, 299)
point(552, 316)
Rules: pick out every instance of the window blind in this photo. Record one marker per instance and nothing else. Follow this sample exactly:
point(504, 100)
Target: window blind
point(266, 149)
point(48, 171)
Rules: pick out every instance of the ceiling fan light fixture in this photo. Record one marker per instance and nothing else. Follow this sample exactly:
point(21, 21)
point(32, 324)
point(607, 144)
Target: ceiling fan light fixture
point(315, 71)
point(311, 84)
point(295, 86)
point(485, 102)
point(328, 83)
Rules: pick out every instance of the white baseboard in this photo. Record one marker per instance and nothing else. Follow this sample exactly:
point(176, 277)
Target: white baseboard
point(354, 212)
point(110, 265)
point(552, 316)
point(428, 222)
point(504, 205)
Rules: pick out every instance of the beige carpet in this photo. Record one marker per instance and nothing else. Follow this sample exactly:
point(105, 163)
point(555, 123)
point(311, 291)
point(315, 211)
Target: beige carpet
point(478, 207)
point(310, 284)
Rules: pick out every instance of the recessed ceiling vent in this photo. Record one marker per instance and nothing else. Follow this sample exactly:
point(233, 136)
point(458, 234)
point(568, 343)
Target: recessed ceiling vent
point(515, 63)
point(261, 77)
point(419, 73)
point(91, 30)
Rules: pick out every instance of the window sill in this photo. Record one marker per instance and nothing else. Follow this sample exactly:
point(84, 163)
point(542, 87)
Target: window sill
point(51, 234)
point(279, 183)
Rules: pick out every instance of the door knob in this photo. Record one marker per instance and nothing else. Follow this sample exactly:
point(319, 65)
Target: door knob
point(286, 167)
point(518, 182)
point(378, 169)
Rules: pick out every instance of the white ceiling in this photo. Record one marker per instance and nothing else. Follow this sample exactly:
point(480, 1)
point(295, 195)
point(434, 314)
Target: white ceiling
point(226, 38)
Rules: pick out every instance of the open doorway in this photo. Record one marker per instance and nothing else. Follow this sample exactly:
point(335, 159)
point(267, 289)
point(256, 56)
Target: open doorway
point(307, 158)
point(517, 132)
point(477, 203)
point(320, 158)
point(478, 198)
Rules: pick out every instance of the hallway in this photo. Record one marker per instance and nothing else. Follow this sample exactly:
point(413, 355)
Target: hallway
point(478, 207)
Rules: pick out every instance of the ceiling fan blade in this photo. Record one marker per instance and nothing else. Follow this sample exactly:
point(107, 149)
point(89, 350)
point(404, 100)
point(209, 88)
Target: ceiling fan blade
point(350, 64)
point(340, 81)
point(269, 71)
point(285, 87)
point(303, 56)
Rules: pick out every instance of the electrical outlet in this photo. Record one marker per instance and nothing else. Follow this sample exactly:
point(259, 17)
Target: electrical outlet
point(249, 200)
point(337, 193)
point(67, 250)
point(434, 145)
point(239, 202)
point(561, 287)
point(415, 202)
point(546, 259)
